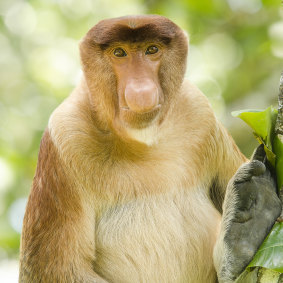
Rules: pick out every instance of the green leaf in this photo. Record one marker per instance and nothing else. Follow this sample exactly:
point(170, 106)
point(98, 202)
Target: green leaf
point(270, 254)
point(263, 124)
point(278, 149)
point(261, 121)
point(265, 275)
point(270, 155)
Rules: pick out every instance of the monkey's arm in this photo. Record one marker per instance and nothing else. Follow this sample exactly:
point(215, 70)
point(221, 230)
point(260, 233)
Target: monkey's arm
point(250, 208)
point(58, 232)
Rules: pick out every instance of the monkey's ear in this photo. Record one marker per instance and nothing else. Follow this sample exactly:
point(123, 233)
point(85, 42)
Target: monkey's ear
point(80, 44)
point(81, 41)
point(186, 34)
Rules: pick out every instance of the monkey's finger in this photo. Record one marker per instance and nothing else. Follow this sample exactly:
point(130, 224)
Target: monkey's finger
point(249, 170)
point(259, 154)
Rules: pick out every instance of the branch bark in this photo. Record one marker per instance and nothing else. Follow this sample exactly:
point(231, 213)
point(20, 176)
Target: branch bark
point(279, 131)
point(279, 122)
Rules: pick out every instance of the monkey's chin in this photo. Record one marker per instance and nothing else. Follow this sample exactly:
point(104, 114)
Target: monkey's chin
point(143, 128)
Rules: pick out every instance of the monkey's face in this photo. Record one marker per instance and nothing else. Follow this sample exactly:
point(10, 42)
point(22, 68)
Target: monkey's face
point(134, 66)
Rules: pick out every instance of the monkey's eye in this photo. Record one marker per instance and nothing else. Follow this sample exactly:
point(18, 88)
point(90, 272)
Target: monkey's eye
point(151, 50)
point(119, 52)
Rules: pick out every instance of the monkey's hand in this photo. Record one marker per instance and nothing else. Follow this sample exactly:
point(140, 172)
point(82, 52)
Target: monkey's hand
point(251, 207)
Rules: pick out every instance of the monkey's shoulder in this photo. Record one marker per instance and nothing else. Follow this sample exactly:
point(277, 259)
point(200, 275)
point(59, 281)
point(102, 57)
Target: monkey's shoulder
point(195, 97)
point(195, 108)
point(194, 114)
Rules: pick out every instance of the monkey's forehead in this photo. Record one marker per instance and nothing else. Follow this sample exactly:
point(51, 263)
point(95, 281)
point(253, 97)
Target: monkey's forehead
point(134, 29)
point(135, 21)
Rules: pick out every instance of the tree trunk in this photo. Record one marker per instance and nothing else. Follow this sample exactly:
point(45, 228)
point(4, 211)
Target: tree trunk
point(279, 129)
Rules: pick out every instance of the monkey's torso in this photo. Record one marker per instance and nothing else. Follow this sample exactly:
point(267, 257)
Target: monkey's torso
point(145, 210)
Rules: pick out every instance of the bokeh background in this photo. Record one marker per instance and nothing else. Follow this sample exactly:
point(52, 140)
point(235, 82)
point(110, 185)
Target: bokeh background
point(235, 58)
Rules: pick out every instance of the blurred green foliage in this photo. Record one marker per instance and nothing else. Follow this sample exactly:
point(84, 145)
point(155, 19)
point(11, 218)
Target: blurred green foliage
point(235, 58)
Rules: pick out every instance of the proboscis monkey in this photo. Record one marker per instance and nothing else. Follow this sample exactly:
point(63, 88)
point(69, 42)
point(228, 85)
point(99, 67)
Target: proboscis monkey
point(133, 169)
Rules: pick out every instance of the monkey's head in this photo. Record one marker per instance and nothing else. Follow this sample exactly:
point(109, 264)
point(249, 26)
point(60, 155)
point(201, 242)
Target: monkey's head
point(134, 67)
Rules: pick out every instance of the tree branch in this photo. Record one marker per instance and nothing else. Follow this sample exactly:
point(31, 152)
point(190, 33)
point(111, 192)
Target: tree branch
point(279, 122)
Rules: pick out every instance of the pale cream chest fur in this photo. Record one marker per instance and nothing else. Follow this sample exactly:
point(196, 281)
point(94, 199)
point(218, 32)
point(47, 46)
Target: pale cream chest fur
point(158, 239)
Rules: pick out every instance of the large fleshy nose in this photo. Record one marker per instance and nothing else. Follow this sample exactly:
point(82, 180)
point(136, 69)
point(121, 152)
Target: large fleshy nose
point(141, 95)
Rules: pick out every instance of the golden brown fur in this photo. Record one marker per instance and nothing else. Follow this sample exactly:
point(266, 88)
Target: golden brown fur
point(106, 205)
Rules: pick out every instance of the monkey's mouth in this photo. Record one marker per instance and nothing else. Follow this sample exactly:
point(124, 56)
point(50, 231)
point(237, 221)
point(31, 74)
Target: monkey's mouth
point(127, 108)
point(139, 120)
